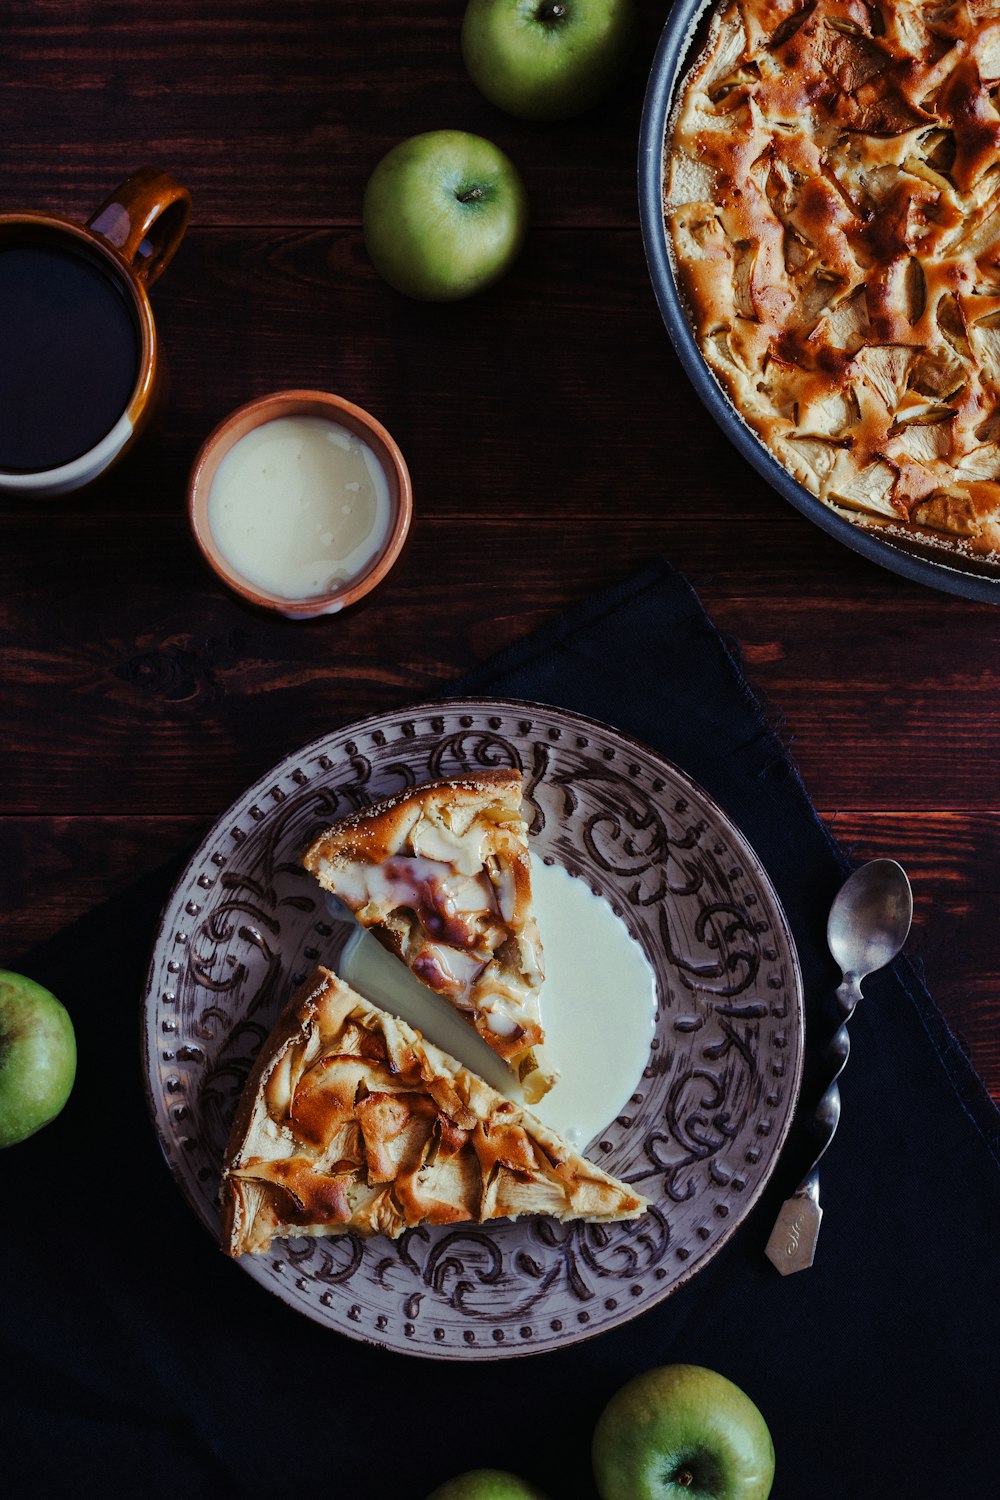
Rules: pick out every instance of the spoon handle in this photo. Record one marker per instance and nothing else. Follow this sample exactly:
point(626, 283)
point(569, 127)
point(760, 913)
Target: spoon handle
point(838, 1050)
point(792, 1244)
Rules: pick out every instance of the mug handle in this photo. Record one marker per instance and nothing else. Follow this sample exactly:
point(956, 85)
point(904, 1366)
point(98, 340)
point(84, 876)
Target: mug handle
point(144, 220)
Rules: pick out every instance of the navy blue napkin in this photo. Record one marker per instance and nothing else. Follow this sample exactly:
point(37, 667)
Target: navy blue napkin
point(134, 1357)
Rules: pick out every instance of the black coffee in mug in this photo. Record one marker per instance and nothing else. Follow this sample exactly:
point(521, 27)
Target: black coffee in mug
point(69, 354)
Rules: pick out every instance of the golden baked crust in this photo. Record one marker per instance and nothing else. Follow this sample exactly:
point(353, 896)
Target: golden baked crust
point(832, 196)
point(442, 877)
point(351, 1121)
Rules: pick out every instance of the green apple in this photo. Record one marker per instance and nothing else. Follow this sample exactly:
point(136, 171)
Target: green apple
point(486, 1484)
point(546, 59)
point(682, 1432)
point(444, 215)
point(37, 1057)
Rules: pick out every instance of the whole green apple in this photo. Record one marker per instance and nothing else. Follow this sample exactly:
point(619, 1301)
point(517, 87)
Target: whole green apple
point(444, 215)
point(546, 59)
point(486, 1484)
point(37, 1057)
point(682, 1432)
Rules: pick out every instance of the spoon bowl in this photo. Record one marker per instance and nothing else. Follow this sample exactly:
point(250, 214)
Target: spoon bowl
point(870, 918)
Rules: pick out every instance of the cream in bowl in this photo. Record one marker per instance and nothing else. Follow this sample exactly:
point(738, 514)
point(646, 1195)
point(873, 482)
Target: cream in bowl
point(300, 502)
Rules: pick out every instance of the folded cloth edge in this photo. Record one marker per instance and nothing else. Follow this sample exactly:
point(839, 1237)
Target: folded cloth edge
point(969, 1088)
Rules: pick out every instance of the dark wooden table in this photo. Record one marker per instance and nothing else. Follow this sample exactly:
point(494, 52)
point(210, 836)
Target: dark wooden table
point(554, 443)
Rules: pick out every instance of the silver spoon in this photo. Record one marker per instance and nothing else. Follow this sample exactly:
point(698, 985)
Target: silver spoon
point(867, 926)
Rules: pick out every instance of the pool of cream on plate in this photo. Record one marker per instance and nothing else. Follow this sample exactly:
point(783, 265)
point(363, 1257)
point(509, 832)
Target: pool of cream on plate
point(598, 1006)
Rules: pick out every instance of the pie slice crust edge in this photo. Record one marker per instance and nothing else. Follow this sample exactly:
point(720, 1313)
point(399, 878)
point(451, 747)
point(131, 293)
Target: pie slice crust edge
point(349, 1120)
point(441, 875)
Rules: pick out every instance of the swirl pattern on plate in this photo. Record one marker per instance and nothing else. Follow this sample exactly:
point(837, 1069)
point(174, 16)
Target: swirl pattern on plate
point(699, 1137)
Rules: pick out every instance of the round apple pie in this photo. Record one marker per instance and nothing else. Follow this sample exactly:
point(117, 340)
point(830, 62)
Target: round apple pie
point(832, 198)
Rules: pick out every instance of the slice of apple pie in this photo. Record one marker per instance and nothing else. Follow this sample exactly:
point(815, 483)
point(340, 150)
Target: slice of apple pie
point(349, 1120)
point(441, 875)
point(832, 199)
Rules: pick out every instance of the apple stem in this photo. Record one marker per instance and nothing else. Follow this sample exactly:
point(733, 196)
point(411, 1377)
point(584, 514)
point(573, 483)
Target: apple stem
point(551, 12)
point(685, 1479)
point(472, 196)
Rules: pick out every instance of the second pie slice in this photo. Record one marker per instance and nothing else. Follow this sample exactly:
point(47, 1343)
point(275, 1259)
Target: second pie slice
point(441, 875)
point(349, 1120)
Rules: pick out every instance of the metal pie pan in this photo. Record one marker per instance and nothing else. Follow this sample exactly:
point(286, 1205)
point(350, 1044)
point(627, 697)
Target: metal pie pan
point(949, 571)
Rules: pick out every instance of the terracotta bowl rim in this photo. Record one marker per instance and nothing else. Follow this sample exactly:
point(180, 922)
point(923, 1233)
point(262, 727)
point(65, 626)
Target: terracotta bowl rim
point(267, 408)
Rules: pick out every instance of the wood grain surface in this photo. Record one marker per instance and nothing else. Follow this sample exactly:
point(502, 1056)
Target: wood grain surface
point(554, 443)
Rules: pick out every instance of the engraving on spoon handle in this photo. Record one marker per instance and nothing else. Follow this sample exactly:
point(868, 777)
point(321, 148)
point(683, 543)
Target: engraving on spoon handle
point(792, 1244)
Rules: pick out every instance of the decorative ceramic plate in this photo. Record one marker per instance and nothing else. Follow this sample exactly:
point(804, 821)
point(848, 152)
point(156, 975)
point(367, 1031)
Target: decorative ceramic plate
point(700, 1135)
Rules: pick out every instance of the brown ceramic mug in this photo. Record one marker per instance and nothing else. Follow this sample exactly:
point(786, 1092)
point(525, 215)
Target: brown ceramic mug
point(81, 368)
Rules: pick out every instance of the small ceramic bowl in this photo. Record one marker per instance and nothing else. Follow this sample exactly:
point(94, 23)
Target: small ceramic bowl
point(301, 404)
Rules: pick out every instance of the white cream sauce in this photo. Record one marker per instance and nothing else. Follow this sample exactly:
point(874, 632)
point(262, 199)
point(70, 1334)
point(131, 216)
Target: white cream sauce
point(598, 1006)
point(300, 506)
